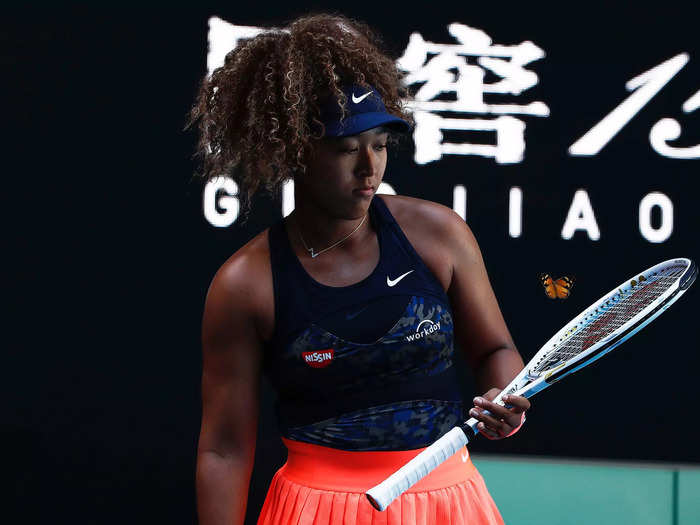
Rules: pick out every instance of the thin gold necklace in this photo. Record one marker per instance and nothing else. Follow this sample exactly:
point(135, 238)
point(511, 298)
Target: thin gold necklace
point(316, 254)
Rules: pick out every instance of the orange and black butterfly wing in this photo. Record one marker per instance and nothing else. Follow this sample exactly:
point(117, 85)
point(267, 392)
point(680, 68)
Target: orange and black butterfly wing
point(562, 287)
point(548, 284)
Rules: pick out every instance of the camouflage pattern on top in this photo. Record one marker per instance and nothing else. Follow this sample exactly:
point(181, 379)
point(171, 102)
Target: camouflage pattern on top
point(419, 345)
point(405, 425)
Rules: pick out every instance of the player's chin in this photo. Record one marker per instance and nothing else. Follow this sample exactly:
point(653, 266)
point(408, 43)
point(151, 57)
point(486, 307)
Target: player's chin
point(357, 206)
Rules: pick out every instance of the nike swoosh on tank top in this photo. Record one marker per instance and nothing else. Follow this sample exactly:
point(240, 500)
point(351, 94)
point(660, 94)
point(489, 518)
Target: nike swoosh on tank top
point(367, 366)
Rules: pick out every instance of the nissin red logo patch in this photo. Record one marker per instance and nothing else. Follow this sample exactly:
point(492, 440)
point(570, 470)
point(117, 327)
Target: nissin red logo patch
point(318, 358)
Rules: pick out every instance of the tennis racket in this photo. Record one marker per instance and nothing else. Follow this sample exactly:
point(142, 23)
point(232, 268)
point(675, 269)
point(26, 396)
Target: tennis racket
point(607, 323)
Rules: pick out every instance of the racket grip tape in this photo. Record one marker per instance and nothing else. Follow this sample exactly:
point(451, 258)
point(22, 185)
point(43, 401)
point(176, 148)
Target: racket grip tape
point(400, 481)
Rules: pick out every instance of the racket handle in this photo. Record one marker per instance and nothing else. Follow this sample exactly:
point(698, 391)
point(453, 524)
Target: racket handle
point(400, 481)
point(472, 422)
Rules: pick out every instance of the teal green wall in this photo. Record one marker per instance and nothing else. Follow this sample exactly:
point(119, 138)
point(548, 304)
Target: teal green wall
point(688, 496)
point(547, 492)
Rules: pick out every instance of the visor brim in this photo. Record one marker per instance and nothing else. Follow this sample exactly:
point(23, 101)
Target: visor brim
point(364, 121)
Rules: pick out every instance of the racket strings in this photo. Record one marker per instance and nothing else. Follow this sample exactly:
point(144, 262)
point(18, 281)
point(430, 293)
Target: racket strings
point(609, 316)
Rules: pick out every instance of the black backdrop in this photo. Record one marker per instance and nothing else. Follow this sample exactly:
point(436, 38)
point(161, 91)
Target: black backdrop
point(110, 254)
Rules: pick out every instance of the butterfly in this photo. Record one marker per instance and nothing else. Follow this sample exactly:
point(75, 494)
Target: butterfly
point(556, 289)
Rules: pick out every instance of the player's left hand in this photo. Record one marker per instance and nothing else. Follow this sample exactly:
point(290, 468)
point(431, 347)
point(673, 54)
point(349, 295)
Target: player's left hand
point(501, 422)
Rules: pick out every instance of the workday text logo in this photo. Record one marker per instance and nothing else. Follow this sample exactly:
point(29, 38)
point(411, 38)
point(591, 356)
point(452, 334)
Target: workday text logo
point(425, 328)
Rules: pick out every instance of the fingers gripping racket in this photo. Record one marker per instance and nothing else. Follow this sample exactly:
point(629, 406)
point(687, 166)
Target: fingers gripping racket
point(610, 321)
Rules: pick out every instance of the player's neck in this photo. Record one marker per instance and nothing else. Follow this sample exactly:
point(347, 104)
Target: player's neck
point(319, 229)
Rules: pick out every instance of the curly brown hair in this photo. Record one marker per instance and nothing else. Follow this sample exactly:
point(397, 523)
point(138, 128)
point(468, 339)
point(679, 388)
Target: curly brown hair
point(258, 114)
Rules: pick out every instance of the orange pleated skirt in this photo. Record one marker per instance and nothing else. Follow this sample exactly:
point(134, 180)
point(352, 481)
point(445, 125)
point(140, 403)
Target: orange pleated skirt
point(324, 486)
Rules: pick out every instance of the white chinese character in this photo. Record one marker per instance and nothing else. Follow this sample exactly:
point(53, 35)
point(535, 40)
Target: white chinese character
point(444, 72)
point(223, 37)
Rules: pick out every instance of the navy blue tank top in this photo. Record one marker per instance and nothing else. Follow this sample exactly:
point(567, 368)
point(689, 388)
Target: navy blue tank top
point(366, 366)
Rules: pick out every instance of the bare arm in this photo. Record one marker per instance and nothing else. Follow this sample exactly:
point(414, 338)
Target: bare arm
point(482, 333)
point(231, 347)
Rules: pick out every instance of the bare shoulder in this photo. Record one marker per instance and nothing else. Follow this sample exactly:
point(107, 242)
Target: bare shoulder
point(426, 218)
point(245, 263)
point(243, 286)
point(426, 214)
point(436, 232)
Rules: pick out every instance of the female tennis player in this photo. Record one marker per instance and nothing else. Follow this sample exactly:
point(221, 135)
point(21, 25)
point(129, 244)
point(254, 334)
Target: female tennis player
point(350, 305)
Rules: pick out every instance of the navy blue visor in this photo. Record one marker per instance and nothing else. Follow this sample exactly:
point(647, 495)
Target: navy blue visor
point(365, 110)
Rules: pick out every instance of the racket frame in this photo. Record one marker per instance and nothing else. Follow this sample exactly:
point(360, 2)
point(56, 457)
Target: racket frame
point(527, 384)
